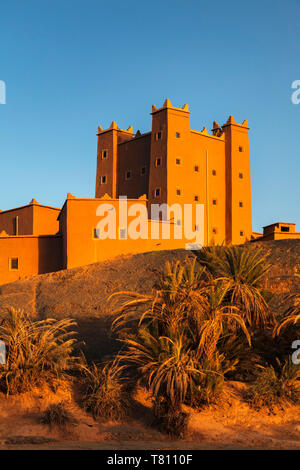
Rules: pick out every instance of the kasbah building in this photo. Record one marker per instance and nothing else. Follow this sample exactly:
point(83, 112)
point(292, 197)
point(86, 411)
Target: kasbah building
point(171, 164)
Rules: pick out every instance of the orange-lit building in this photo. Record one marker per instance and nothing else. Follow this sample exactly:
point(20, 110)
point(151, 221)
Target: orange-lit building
point(171, 164)
point(176, 164)
point(30, 242)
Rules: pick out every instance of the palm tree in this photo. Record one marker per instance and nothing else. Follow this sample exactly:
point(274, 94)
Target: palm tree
point(291, 313)
point(180, 292)
point(217, 319)
point(169, 336)
point(177, 277)
point(242, 270)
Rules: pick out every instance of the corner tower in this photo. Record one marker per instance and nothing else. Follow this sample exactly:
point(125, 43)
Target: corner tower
point(238, 182)
point(107, 158)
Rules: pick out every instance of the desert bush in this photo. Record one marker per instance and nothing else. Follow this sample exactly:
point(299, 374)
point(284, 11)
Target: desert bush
point(58, 415)
point(210, 384)
point(275, 386)
point(38, 352)
point(105, 394)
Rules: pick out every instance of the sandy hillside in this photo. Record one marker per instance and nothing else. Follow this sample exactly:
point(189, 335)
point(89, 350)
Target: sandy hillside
point(82, 294)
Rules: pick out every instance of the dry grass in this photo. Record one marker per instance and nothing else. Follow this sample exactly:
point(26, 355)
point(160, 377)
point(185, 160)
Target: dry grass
point(58, 415)
point(105, 394)
point(38, 352)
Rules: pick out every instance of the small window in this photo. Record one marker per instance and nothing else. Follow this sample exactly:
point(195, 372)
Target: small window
point(103, 179)
point(196, 228)
point(285, 229)
point(157, 192)
point(16, 225)
point(241, 233)
point(14, 264)
point(177, 135)
point(214, 202)
point(178, 161)
point(241, 176)
point(178, 192)
point(128, 175)
point(104, 154)
point(240, 149)
point(196, 198)
point(214, 230)
point(158, 135)
point(241, 204)
point(214, 172)
point(178, 222)
point(196, 168)
point(96, 233)
point(122, 233)
point(143, 170)
point(158, 162)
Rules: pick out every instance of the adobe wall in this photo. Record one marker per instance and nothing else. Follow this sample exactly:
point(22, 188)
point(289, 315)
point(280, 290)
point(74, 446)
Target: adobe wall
point(45, 220)
point(33, 219)
point(133, 155)
point(36, 255)
point(80, 247)
point(238, 182)
point(208, 153)
point(25, 215)
point(279, 236)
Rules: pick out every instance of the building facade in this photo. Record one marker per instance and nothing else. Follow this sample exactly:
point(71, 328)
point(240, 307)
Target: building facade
point(175, 164)
point(172, 164)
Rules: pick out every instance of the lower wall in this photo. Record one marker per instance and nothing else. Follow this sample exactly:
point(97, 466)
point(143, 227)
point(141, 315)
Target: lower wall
point(36, 255)
point(84, 249)
point(279, 236)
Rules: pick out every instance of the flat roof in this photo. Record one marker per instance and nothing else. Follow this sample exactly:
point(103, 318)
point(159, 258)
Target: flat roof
point(277, 223)
point(103, 198)
point(28, 205)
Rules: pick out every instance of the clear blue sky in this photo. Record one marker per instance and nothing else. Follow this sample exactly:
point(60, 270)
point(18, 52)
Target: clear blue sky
point(70, 66)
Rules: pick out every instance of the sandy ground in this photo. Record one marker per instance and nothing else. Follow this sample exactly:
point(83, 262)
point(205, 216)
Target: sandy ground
point(232, 425)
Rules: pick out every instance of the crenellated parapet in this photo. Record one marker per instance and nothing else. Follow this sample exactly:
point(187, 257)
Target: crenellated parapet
point(168, 105)
point(114, 127)
point(232, 122)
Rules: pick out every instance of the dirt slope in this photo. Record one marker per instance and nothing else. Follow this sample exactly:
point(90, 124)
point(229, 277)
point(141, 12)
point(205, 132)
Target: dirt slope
point(229, 425)
point(82, 293)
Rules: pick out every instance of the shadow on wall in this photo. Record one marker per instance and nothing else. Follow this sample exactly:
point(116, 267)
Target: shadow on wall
point(49, 254)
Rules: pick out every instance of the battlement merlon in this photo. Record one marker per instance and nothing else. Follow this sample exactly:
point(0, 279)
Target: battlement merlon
point(168, 105)
point(114, 127)
point(232, 122)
